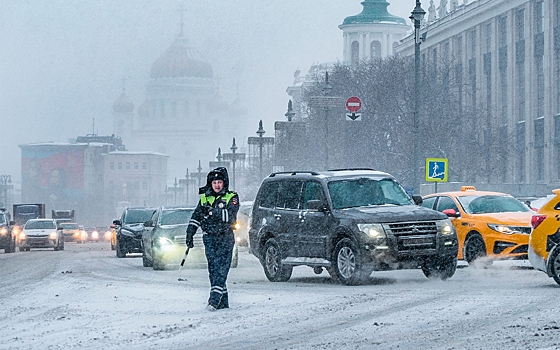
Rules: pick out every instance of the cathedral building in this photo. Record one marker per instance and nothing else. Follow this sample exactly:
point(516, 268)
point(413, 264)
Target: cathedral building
point(184, 115)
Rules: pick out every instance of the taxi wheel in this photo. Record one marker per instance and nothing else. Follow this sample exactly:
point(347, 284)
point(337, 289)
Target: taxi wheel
point(474, 248)
point(555, 264)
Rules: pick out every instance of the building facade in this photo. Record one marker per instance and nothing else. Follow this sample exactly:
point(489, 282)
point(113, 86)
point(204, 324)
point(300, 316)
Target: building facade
point(506, 55)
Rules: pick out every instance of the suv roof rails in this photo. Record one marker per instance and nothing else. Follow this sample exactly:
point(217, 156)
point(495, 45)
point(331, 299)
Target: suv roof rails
point(351, 169)
point(293, 173)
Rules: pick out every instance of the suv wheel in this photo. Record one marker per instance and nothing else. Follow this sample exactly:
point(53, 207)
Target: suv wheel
point(554, 261)
point(347, 263)
point(274, 270)
point(442, 267)
point(475, 249)
point(121, 253)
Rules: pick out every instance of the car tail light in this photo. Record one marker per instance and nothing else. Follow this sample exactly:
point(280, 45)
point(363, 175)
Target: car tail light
point(536, 220)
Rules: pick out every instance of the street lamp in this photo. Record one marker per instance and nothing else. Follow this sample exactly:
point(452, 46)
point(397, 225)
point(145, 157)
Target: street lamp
point(200, 175)
point(233, 157)
point(5, 180)
point(416, 17)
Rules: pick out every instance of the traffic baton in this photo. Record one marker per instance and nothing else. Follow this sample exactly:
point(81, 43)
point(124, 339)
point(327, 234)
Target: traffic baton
point(183, 263)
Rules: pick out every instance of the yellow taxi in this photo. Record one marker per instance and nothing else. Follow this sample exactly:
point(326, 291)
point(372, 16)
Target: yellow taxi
point(544, 243)
point(488, 224)
point(72, 232)
point(114, 237)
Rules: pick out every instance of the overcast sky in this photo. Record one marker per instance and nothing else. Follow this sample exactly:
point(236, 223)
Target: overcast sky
point(62, 62)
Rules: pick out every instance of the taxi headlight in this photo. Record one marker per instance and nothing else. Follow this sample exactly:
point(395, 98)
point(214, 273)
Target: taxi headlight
point(508, 230)
point(95, 234)
point(22, 235)
point(3, 231)
point(238, 239)
point(52, 235)
point(16, 230)
point(372, 230)
point(237, 226)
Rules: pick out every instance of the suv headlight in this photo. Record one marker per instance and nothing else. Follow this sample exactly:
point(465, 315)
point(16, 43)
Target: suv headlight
point(127, 232)
point(508, 230)
point(372, 230)
point(164, 241)
point(446, 227)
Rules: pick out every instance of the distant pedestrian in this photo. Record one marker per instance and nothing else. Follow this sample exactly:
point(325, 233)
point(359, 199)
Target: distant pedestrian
point(216, 214)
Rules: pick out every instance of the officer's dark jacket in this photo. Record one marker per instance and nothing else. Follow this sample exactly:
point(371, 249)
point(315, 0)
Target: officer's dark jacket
point(216, 212)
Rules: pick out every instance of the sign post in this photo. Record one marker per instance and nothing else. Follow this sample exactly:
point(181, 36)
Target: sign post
point(353, 104)
point(436, 170)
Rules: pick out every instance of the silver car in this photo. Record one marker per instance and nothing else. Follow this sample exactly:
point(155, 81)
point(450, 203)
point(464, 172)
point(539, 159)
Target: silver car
point(40, 233)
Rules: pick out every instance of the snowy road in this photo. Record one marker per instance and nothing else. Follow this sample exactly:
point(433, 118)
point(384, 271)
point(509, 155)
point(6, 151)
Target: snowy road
point(84, 297)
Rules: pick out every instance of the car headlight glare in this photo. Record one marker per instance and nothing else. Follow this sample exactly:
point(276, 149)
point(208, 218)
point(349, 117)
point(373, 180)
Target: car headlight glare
point(95, 234)
point(372, 230)
point(3, 231)
point(22, 235)
point(52, 235)
point(508, 230)
point(237, 226)
point(447, 229)
point(164, 241)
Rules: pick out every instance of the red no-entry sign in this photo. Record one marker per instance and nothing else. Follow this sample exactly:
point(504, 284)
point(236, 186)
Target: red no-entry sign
point(353, 104)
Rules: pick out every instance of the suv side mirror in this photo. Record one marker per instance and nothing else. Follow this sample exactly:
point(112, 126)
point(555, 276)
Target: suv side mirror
point(149, 223)
point(117, 222)
point(418, 200)
point(316, 204)
point(452, 213)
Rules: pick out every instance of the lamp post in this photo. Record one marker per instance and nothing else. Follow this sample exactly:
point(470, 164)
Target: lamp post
point(200, 175)
point(260, 141)
point(5, 180)
point(233, 157)
point(416, 17)
point(220, 161)
point(261, 133)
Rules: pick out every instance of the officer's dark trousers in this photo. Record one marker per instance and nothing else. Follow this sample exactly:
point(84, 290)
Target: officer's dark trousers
point(219, 249)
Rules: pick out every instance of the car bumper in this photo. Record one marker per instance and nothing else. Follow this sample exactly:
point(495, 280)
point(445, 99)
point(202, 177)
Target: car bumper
point(38, 242)
point(132, 244)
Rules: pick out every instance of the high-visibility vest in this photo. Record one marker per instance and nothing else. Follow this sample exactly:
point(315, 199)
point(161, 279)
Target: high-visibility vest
point(210, 199)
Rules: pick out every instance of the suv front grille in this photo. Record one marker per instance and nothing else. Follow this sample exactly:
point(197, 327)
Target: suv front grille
point(414, 236)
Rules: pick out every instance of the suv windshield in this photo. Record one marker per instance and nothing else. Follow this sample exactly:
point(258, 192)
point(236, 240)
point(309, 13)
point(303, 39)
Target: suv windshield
point(363, 192)
point(135, 216)
point(491, 204)
point(37, 225)
point(69, 226)
point(176, 217)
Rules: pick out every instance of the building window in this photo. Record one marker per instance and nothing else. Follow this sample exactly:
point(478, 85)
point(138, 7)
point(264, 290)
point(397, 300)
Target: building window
point(186, 108)
point(375, 49)
point(539, 16)
point(472, 78)
point(520, 24)
point(472, 41)
point(355, 53)
point(504, 94)
point(502, 23)
point(137, 185)
point(112, 165)
point(127, 166)
point(521, 151)
point(145, 186)
point(135, 165)
point(556, 164)
point(521, 91)
point(445, 51)
point(488, 30)
point(120, 165)
point(557, 83)
point(459, 48)
point(144, 166)
point(540, 86)
point(539, 147)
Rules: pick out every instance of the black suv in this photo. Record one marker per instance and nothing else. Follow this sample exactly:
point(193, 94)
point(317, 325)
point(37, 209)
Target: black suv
point(130, 229)
point(349, 221)
point(7, 237)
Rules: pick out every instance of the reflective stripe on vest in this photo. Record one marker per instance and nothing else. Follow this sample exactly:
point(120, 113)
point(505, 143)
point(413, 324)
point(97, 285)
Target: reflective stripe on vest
point(210, 199)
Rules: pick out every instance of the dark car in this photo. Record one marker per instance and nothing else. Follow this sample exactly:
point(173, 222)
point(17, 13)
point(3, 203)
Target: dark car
point(350, 222)
point(7, 235)
point(130, 228)
point(164, 240)
point(93, 233)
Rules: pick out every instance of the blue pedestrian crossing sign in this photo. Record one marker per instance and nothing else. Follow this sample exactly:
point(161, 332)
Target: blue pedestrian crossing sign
point(436, 169)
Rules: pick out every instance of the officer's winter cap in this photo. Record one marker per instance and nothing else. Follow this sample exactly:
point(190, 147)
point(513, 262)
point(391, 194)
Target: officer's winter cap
point(219, 173)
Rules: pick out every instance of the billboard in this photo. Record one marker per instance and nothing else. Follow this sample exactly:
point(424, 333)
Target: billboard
point(52, 174)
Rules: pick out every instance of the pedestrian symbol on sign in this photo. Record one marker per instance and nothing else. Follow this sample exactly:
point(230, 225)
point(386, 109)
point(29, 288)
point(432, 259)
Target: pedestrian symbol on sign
point(436, 169)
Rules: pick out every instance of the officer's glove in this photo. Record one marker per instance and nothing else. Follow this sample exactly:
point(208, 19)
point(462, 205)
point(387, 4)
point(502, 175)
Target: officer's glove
point(189, 241)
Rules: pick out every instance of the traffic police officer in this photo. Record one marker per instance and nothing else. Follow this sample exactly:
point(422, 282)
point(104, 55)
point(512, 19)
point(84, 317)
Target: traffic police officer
point(216, 214)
